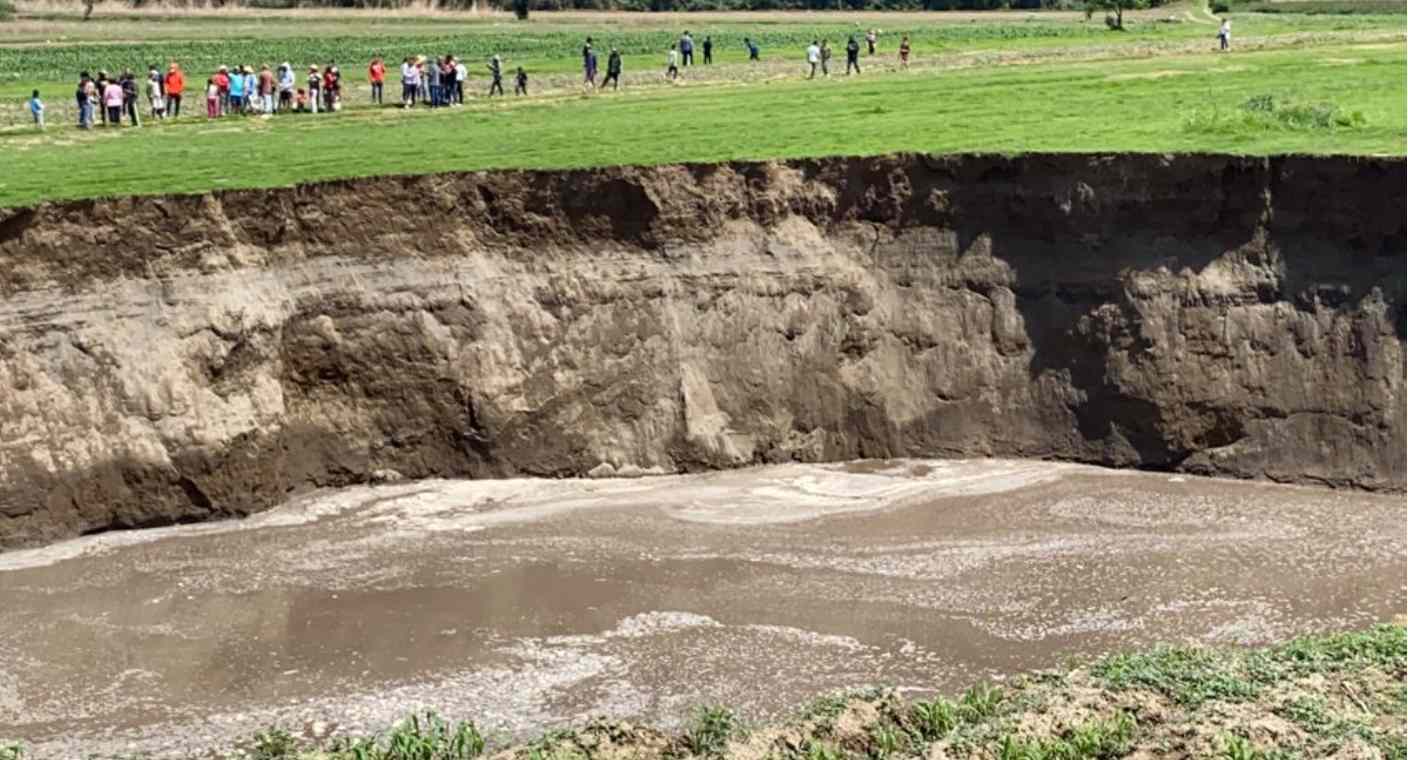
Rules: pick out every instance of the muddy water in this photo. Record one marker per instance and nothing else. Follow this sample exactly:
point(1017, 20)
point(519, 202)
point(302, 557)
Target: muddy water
point(531, 604)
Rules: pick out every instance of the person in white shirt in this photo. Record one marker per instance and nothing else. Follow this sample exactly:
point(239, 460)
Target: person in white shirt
point(410, 82)
point(1224, 34)
point(672, 61)
point(813, 58)
point(461, 74)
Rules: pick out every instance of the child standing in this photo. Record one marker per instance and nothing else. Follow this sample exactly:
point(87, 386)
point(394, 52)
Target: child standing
point(672, 68)
point(212, 98)
point(904, 52)
point(36, 109)
point(520, 82)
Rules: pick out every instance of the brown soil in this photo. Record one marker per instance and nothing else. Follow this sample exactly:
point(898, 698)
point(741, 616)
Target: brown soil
point(1215, 315)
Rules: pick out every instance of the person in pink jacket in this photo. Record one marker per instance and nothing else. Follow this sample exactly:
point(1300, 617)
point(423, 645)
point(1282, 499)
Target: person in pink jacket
point(113, 99)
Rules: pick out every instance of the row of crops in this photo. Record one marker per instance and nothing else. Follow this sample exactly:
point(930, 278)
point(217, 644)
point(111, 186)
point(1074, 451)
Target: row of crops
point(60, 62)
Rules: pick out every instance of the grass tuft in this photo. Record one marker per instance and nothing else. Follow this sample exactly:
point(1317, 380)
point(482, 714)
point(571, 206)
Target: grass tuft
point(710, 731)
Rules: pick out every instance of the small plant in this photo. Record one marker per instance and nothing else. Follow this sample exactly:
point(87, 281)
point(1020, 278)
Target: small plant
point(430, 737)
point(885, 741)
point(934, 720)
point(1237, 748)
point(11, 751)
point(1310, 713)
point(1096, 740)
point(708, 735)
point(816, 750)
point(980, 703)
point(272, 743)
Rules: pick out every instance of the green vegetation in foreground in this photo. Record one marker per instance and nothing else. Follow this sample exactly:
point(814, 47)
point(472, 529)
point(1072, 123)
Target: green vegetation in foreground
point(1163, 104)
point(1312, 697)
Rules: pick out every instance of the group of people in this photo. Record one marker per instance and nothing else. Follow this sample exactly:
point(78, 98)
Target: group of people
point(434, 82)
point(819, 54)
point(228, 91)
point(439, 82)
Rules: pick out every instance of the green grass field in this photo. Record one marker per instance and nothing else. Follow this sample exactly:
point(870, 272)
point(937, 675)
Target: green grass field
point(1303, 84)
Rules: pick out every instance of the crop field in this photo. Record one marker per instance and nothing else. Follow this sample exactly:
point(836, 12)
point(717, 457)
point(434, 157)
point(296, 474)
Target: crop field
point(1002, 82)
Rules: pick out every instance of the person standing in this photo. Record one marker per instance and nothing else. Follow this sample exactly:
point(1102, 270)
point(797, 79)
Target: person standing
point(461, 74)
point(334, 88)
point(131, 94)
point(432, 70)
point(154, 95)
point(236, 91)
point(520, 82)
point(813, 58)
point(904, 52)
point(83, 99)
point(315, 88)
point(496, 72)
point(870, 37)
point(175, 85)
point(825, 58)
point(36, 110)
point(447, 81)
point(113, 99)
point(613, 70)
point(686, 50)
point(286, 86)
point(588, 64)
point(101, 86)
point(376, 74)
point(251, 89)
point(852, 55)
point(266, 89)
point(410, 82)
point(423, 65)
point(212, 98)
point(672, 60)
point(708, 50)
point(1224, 35)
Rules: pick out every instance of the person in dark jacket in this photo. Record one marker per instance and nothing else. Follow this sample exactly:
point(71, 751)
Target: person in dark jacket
point(852, 55)
point(708, 50)
point(496, 72)
point(752, 49)
point(131, 93)
point(613, 70)
point(520, 82)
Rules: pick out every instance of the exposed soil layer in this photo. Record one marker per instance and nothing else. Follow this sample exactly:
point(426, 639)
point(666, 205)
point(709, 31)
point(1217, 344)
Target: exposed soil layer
point(176, 359)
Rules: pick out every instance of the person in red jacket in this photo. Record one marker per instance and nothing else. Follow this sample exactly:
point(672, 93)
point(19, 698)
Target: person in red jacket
point(222, 83)
point(377, 74)
point(175, 83)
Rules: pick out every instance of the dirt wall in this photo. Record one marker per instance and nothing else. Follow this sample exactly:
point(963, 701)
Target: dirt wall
point(168, 359)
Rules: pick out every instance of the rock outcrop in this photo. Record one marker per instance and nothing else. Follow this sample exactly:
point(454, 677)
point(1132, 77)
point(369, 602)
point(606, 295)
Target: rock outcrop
point(166, 359)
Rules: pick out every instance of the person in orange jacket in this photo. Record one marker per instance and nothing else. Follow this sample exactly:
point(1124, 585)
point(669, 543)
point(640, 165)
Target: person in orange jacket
point(376, 72)
point(175, 83)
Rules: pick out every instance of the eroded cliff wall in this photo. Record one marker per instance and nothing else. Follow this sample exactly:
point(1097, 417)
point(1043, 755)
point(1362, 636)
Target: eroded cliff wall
point(181, 358)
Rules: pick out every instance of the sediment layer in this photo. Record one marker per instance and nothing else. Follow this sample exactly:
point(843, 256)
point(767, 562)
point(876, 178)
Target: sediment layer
point(166, 359)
